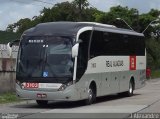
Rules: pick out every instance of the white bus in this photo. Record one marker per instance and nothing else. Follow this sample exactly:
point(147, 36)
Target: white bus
point(70, 61)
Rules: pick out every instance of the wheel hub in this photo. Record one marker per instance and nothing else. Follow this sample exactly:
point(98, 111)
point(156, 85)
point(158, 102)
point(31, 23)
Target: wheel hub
point(90, 94)
point(130, 88)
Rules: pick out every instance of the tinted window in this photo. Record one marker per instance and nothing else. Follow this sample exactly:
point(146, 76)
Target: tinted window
point(58, 61)
point(114, 44)
point(97, 45)
point(45, 57)
point(83, 53)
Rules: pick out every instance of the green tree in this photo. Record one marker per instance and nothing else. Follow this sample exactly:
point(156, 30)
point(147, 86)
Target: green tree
point(79, 10)
point(65, 11)
point(10, 28)
point(23, 24)
point(131, 16)
point(81, 5)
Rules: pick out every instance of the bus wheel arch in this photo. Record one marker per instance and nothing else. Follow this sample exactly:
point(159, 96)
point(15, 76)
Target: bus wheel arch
point(92, 93)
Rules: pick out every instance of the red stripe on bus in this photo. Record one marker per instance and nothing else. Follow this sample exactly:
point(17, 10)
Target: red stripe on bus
point(132, 62)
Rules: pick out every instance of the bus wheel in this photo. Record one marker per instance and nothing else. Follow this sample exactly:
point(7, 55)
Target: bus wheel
point(42, 102)
point(91, 95)
point(129, 93)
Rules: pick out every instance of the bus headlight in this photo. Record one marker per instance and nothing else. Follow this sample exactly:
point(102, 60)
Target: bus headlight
point(22, 85)
point(64, 86)
point(18, 82)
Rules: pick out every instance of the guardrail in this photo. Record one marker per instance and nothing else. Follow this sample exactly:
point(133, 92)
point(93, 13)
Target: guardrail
point(7, 68)
point(4, 53)
point(3, 47)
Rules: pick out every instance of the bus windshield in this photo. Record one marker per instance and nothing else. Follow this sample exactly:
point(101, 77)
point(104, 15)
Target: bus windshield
point(45, 57)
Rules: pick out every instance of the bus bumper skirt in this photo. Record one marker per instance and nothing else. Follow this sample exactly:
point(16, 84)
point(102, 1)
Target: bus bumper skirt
point(69, 94)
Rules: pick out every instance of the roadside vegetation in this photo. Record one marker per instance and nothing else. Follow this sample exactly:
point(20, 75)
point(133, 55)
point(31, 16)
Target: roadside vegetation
point(8, 98)
point(155, 74)
point(5, 36)
point(81, 10)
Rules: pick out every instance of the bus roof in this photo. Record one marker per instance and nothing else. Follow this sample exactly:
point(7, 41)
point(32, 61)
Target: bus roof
point(71, 28)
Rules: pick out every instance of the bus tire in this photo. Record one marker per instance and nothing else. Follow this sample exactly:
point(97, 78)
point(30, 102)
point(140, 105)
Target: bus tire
point(42, 102)
point(91, 95)
point(129, 93)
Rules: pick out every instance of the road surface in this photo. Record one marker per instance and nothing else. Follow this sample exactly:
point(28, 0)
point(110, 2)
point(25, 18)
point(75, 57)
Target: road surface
point(144, 100)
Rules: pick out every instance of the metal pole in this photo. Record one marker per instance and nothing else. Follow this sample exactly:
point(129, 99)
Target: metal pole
point(80, 10)
point(149, 25)
point(125, 23)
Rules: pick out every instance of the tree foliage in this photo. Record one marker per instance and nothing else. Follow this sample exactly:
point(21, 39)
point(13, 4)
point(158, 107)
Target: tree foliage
point(6, 37)
point(80, 10)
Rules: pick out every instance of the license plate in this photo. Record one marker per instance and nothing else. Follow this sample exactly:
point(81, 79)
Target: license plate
point(31, 85)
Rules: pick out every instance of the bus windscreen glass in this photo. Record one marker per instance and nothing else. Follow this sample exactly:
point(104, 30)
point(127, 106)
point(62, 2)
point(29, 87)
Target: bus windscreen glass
point(45, 57)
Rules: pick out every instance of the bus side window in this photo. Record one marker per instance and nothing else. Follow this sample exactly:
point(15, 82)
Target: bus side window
point(82, 61)
point(125, 42)
point(112, 44)
point(96, 44)
point(107, 45)
point(83, 49)
point(136, 45)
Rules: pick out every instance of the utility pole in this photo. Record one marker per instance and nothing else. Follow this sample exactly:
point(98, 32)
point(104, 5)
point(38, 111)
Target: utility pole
point(125, 23)
point(150, 24)
point(81, 4)
point(80, 10)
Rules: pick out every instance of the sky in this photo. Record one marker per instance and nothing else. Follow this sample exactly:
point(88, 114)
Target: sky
point(13, 10)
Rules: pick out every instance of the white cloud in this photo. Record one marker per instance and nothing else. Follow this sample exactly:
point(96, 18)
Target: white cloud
point(104, 4)
point(11, 11)
point(142, 5)
point(155, 5)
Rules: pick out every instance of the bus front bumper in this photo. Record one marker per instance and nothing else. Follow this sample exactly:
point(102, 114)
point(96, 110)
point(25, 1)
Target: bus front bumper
point(69, 94)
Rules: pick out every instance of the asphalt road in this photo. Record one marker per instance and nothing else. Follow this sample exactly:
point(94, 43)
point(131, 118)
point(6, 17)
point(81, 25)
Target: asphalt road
point(145, 100)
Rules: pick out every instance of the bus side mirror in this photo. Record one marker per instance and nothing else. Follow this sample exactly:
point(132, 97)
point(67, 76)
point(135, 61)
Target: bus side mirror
point(9, 49)
point(75, 50)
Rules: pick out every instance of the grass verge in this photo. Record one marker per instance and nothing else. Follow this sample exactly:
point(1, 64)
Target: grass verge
point(155, 74)
point(8, 98)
